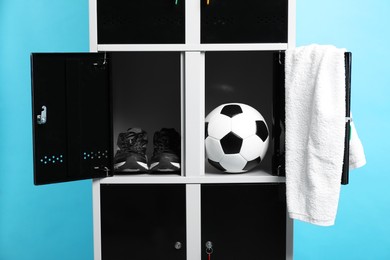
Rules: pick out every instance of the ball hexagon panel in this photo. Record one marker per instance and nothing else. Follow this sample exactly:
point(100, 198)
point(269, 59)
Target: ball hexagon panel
point(234, 163)
point(252, 164)
point(216, 165)
point(215, 111)
point(213, 149)
point(219, 126)
point(251, 112)
point(253, 147)
point(231, 143)
point(243, 125)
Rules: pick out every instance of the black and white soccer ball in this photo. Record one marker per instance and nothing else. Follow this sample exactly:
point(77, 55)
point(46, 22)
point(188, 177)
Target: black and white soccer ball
point(237, 137)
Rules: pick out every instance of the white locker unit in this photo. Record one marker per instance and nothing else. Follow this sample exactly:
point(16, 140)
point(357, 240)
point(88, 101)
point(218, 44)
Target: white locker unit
point(167, 64)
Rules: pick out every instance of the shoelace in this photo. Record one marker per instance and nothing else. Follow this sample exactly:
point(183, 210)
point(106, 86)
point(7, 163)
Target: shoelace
point(161, 144)
point(133, 142)
point(166, 141)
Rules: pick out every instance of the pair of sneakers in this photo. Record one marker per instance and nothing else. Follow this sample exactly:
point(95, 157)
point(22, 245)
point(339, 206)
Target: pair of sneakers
point(131, 155)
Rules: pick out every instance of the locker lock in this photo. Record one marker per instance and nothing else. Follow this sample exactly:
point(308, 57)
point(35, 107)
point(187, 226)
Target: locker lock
point(178, 245)
point(209, 247)
point(42, 118)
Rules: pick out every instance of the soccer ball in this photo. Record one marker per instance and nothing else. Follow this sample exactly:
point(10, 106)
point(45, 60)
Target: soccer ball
point(236, 137)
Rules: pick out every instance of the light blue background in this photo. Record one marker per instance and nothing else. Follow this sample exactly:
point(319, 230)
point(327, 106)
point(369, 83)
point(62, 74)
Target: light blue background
point(55, 221)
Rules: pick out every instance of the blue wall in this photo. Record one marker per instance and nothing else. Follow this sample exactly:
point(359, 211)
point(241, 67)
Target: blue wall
point(55, 221)
point(362, 226)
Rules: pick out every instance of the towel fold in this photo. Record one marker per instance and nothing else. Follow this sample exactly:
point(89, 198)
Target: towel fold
point(357, 158)
point(315, 131)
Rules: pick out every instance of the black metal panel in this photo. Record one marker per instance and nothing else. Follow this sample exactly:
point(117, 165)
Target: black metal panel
point(244, 21)
point(75, 142)
point(244, 221)
point(348, 68)
point(278, 158)
point(140, 22)
point(143, 221)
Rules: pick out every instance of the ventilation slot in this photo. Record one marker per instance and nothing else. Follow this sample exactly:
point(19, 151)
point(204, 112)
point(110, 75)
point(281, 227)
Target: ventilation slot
point(52, 159)
point(95, 155)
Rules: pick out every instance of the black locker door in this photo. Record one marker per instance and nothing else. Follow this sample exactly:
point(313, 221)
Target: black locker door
point(244, 21)
point(71, 117)
point(143, 221)
point(244, 221)
point(140, 22)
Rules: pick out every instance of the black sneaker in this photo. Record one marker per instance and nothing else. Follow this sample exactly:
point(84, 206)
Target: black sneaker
point(131, 156)
point(166, 154)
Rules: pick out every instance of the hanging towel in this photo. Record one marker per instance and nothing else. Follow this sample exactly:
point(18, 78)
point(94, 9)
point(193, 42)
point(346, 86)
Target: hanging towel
point(357, 158)
point(315, 131)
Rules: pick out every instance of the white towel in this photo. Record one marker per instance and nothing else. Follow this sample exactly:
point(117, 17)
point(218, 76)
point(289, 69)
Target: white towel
point(315, 131)
point(357, 158)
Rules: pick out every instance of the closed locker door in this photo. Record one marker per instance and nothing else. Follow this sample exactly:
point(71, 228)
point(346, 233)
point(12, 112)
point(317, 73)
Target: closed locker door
point(244, 221)
point(244, 21)
point(143, 221)
point(140, 22)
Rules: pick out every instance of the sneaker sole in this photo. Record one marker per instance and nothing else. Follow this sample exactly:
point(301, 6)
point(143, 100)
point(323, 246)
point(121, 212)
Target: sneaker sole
point(136, 166)
point(165, 166)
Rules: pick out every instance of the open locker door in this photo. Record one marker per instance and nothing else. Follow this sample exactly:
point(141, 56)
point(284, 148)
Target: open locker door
point(72, 122)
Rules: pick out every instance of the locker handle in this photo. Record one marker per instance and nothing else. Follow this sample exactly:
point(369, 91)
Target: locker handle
point(42, 118)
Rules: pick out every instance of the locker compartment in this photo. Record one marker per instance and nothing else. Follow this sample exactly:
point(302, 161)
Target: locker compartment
point(140, 22)
point(146, 90)
point(254, 79)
